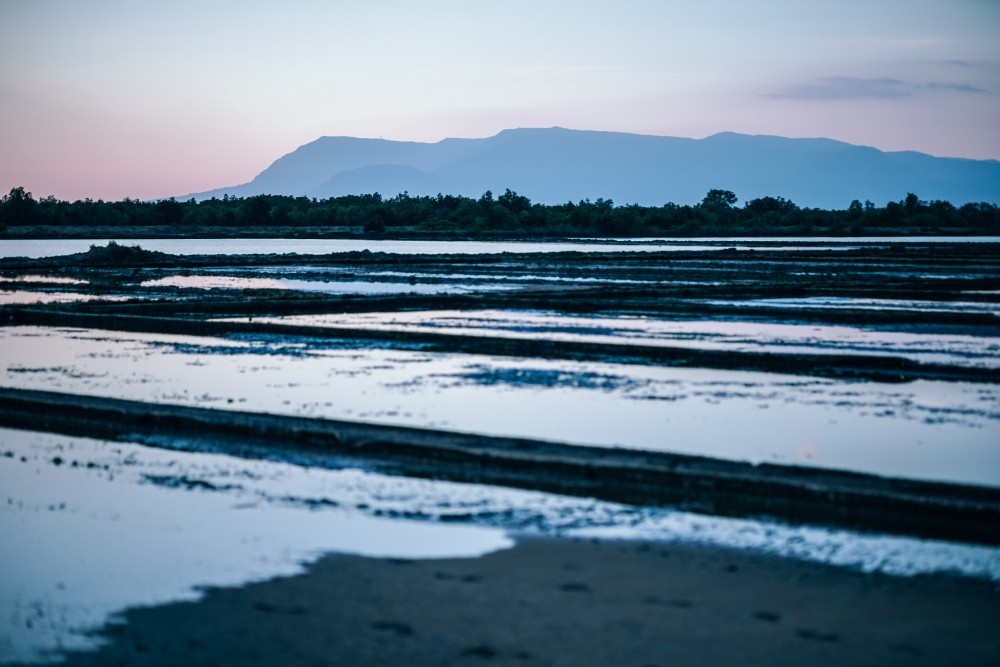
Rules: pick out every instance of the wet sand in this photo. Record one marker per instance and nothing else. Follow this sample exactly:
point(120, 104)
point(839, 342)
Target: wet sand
point(571, 602)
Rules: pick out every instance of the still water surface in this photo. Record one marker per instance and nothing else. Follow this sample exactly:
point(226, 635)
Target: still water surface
point(730, 335)
point(91, 528)
point(55, 247)
point(929, 430)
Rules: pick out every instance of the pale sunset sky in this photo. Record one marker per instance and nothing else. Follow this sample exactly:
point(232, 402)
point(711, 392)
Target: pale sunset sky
point(115, 98)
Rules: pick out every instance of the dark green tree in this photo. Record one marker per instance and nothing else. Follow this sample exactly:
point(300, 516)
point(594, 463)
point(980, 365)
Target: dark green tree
point(719, 200)
point(19, 208)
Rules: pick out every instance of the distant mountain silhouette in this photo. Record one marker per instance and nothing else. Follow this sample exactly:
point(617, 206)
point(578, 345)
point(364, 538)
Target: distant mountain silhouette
point(556, 165)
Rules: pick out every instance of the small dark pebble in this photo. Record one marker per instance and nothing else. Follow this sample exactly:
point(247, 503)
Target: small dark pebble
point(818, 636)
point(575, 587)
point(481, 651)
point(675, 603)
point(401, 629)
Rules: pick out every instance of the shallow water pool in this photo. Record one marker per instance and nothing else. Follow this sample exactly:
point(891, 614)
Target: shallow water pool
point(739, 336)
point(93, 527)
point(925, 429)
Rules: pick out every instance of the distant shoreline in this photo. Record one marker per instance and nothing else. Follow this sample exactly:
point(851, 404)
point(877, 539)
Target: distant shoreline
point(36, 233)
point(508, 216)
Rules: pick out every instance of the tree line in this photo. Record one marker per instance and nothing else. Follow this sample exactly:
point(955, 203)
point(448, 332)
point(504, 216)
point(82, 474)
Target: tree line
point(509, 214)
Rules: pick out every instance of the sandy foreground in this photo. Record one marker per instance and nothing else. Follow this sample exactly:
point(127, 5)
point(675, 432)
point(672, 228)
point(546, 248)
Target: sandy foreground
point(571, 602)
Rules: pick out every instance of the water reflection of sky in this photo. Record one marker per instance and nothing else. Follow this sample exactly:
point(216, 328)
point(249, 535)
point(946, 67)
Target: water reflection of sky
point(961, 350)
point(321, 286)
point(55, 247)
point(25, 297)
point(925, 306)
point(92, 527)
point(924, 429)
point(36, 278)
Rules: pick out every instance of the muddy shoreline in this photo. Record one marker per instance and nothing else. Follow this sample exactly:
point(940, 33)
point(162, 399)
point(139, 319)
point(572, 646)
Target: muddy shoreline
point(730, 488)
point(569, 603)
point(874, 368)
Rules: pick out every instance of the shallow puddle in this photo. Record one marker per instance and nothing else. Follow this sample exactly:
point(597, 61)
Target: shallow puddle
point(51, 280)
point(326, 287)
point(871, 304)
point(177, 246)
point(958, 350)
point(93, 527)
point(929, 430)
point(56, 247)
point(26, 297)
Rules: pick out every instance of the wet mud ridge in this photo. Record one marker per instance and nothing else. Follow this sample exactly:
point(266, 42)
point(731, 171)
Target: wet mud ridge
point(841, 366)
point(788, 493)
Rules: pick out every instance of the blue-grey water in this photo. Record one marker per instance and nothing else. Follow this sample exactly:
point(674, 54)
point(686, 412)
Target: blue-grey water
point(55, 247)
point(92, 527)
point(89, 528)
point(925, 429)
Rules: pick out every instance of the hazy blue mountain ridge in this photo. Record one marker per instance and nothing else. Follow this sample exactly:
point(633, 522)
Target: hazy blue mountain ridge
point(555, 165)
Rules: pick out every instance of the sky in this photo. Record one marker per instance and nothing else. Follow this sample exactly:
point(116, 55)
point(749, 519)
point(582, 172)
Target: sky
point(146, 99)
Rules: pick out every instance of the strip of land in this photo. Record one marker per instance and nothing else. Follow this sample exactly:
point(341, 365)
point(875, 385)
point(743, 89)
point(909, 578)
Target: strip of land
point(569, 603)
point(841, 366)
point(731, 488)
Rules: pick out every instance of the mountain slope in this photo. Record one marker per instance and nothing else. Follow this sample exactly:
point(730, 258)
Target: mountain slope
point(555, 165)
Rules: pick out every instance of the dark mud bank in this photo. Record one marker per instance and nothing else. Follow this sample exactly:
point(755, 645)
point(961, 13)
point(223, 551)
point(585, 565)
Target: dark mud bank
point(787, 493)
point(843, 366)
